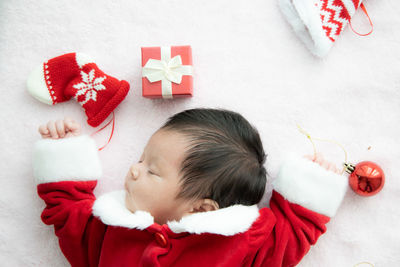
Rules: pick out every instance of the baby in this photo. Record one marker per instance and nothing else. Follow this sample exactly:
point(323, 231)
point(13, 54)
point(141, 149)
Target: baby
point(191, 199)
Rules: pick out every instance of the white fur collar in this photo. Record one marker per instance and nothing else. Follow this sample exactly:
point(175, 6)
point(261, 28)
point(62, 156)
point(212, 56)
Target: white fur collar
point(111, 210)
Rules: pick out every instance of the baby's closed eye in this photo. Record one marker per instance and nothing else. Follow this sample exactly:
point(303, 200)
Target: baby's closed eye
point(151, 172)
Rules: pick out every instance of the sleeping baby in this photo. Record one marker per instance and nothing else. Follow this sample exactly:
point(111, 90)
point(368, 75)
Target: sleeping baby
point(190, 200)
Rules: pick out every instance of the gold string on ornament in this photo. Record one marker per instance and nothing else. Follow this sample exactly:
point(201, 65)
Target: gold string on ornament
point(324, 140)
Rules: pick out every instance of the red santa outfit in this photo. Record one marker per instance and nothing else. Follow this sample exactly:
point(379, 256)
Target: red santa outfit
point(102, 232)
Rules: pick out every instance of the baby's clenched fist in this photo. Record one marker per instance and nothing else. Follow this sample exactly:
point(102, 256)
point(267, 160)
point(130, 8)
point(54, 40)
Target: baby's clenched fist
point(319, 159)
point(60, 129)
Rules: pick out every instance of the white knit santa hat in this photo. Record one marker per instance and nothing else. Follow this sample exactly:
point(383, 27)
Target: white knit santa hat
point(318, 23)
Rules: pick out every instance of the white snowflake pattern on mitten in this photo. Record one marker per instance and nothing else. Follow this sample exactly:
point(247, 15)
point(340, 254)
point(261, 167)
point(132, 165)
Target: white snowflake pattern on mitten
point(89, 86)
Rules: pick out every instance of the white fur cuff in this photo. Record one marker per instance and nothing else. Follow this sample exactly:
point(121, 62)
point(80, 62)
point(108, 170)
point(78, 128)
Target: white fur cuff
point(305, 20)
point(67, 159)
point(306, 183)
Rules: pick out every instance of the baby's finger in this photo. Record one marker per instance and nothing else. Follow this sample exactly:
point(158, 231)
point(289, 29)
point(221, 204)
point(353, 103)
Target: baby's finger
point(69, 120)
point(51, 126)
point(69, 134)
point(60, 128)
point(319, 160)
point(44, 131)
point(324, 165)
point(319, 156)
point(72, 126)
point(331, 167)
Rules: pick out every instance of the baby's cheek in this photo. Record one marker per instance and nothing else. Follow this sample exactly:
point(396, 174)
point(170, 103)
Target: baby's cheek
point(163, 203)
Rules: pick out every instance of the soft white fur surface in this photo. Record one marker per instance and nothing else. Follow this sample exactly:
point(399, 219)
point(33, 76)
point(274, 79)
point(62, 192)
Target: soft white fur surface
point(227, 221)
point(246, 58)
point(110, 209)
point(69, 159)
point(308, 184)
point(306, 22)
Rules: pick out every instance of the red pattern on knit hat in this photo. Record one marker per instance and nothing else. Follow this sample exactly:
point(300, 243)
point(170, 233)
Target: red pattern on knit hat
point(335, 16)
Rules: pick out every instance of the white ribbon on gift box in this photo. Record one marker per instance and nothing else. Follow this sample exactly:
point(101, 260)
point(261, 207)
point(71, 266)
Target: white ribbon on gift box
point(167, 70)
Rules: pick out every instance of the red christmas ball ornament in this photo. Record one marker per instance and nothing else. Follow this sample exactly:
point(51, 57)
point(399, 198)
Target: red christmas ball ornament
point(366, 178)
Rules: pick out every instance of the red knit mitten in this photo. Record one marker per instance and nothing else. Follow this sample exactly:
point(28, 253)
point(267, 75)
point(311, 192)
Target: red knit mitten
point(75, 75)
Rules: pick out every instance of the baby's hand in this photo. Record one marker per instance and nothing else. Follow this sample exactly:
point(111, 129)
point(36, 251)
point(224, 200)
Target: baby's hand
point(60, 129)
point(322, 162)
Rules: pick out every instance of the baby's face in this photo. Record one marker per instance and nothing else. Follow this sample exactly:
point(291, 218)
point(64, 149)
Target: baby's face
point(152, 184)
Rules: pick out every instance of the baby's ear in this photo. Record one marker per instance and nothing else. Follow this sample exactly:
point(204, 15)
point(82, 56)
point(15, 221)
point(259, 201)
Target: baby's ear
point(205, 204)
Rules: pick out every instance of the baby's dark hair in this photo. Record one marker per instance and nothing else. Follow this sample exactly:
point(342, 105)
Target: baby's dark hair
point(225, 159)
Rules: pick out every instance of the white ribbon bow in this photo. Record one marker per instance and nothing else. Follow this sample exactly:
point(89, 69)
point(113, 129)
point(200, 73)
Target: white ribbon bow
point(167, 70)
point(172, 70)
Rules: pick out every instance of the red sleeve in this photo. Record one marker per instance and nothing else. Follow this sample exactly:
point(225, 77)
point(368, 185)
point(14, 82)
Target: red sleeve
point(304, 199)
point(296, 229)
point(69, 209)
point(69, 199)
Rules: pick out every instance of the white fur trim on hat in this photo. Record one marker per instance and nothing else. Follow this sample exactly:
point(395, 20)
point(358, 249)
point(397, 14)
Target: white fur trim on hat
point(111, 210)
point(304, 17)
point(306, 183)
point(36, 85)
point(67, 159)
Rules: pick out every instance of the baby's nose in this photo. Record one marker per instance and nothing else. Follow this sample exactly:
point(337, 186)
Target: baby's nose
point(135, 172)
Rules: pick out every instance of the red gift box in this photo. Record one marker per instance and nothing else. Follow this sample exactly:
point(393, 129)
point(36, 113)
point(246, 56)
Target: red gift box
point(167, 72)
